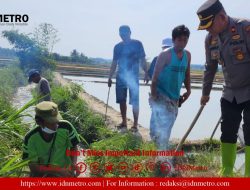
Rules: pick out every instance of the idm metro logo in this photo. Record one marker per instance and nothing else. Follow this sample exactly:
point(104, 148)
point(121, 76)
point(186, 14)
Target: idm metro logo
point(11, 19)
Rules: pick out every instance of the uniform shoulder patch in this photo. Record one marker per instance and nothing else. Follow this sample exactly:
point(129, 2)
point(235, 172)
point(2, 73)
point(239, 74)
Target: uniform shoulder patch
point(233, 29)
point(247, 28)
point(214, 41)
point(236, 37)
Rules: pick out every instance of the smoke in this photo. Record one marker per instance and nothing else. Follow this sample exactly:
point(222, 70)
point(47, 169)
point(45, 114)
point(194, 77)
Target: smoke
point(163, 116)
point(128, 71)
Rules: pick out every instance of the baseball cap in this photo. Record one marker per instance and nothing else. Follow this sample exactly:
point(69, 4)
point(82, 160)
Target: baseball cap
point(167, 42)
point(31, 73)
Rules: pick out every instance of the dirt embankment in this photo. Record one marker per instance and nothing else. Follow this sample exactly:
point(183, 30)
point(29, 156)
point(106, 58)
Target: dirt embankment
point(98, 106)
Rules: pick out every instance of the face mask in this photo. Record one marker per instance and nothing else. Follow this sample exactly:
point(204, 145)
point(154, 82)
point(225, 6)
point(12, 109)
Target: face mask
point(48, 131)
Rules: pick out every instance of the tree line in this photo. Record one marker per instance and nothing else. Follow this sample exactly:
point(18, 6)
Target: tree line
point(35, 50)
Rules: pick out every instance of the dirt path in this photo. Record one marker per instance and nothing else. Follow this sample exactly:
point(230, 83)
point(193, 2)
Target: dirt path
point(113, 116)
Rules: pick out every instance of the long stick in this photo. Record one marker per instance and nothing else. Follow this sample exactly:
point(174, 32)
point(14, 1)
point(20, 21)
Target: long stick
point(107, 105)
point(216, 127)
point(189, 129)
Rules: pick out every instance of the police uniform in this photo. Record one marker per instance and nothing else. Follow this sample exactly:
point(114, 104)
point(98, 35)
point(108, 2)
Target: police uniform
point(230, 49)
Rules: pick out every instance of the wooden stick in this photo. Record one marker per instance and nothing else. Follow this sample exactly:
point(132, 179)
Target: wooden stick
point(216, 127)
point(107, 105)
point(189, 129)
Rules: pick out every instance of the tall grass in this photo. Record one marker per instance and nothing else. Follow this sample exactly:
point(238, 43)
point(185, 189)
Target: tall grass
point(88, 124)
point(122, 142)
point(10, 79)
point(12, 129)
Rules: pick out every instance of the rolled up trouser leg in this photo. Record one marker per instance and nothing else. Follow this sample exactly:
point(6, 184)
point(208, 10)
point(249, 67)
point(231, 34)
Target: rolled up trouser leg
point(228, 154)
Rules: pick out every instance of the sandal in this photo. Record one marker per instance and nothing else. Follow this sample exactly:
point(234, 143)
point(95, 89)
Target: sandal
point(121, 126)
point(133, 129)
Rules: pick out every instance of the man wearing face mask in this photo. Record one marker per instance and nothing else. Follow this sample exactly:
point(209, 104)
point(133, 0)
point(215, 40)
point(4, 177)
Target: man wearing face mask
point(46, 145)
point(228, 44)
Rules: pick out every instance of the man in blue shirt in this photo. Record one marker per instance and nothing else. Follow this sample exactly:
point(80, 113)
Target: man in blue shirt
point(128, 56)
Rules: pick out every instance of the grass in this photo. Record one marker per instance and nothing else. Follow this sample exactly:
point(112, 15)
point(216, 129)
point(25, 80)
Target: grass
point(89, 125)
point(93, 131)
point(206, 154)
point(121, 142)
point(11, 78)
point(12, 129)
point(92, 128)
point(207, 163)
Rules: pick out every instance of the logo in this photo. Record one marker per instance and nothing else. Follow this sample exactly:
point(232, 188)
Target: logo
point(239, 56)
point(233, 29)
point(236, 37)
point(150, 166)
point(137, 167)
point(214, 42)
point(248, 28)
point(109, 167)
point(54, 112)
point(165, 167)
point(95, 168)
point(122, 167)
point(14, 19)
point(81, 167)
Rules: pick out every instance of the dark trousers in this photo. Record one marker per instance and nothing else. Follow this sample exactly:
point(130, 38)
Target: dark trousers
point(231, 118)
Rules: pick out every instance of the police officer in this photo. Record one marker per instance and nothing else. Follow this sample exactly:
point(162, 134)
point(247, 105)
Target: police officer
point(228, 44)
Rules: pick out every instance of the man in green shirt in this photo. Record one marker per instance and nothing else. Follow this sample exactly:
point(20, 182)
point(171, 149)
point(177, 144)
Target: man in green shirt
point(46, 145)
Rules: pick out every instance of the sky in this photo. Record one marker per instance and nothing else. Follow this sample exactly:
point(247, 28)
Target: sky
point(91, 26)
